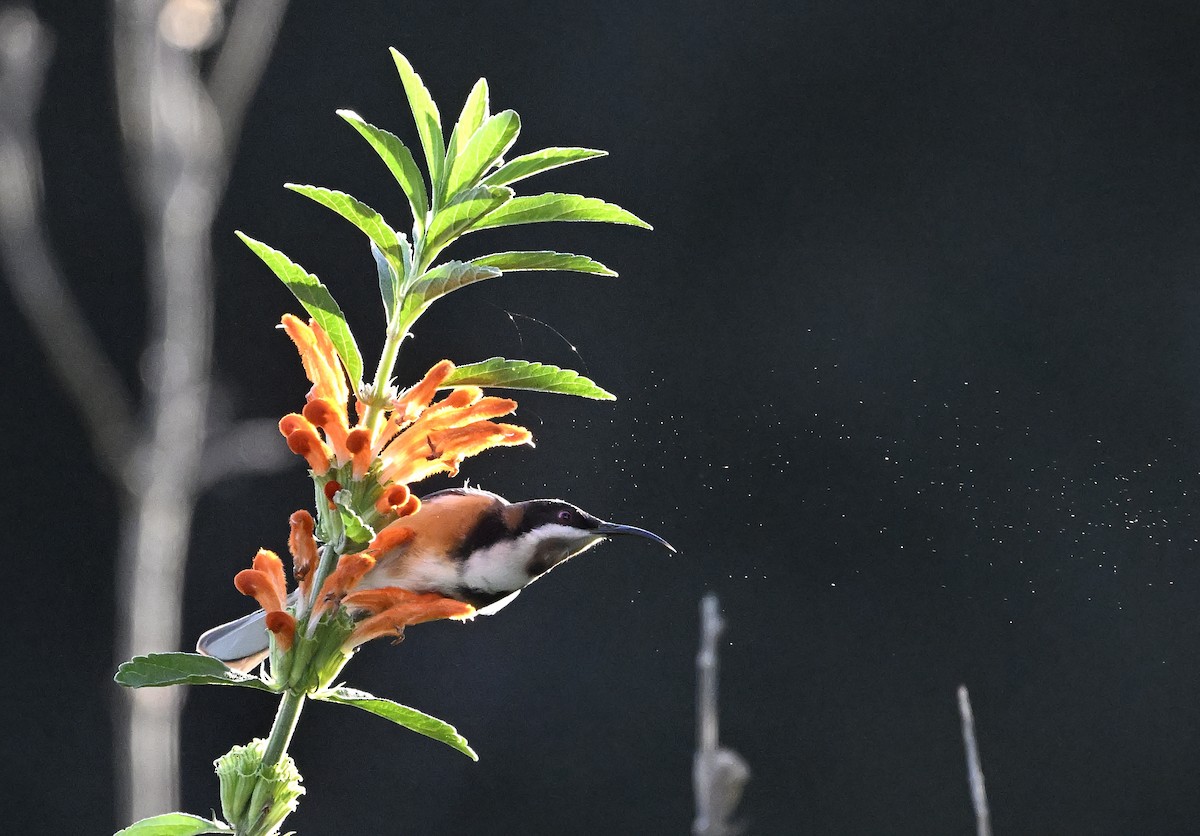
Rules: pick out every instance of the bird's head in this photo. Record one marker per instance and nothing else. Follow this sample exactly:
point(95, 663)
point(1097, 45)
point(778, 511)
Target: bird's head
point(553, 531)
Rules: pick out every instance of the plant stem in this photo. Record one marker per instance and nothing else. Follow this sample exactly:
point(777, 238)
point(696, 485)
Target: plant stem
point(285, 724)
point(396, 333)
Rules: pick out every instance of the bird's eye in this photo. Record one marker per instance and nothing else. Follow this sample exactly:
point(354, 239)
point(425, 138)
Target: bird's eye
point(564, 516)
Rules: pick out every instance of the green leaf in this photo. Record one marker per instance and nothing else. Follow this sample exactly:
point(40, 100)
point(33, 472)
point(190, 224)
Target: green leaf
point(370, 222)
point(463, 212)
point(443, 279)
point(558, 207)
point(174, 824)
point(316, 299)
point(356, 529)
point(522, 374)
point(389, 282)
point(410, 718)
point(488, 145)
point(157, 669)
point(475, 111)
point(425, 113)
point(400, 163)
point(543, 260)
point(528, 165)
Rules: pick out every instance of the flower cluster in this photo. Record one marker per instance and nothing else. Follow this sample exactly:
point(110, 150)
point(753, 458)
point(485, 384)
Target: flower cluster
point(416, 438)
point(367, 466)
point(378, 611)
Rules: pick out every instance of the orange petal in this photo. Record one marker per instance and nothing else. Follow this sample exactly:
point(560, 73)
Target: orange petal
point(349, 571)
point(291, 422)
point(283, 625)
point(269, 564)
point(321, 362)
point(331, 418)
point(305, 442)
point(389, 537)
point(358, 444)
point(303, 547)
point(331, 487)
point(413, 401)
point(392, 496)
point(445, 449)
point(257, 585)
point(340, 389)
point(402, 609)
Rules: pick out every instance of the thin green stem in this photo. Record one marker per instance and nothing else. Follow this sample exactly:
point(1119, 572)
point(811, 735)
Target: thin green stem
point(285, 724)
point(396, 332)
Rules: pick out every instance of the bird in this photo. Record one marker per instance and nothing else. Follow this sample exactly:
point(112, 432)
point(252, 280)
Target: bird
point(467, 544)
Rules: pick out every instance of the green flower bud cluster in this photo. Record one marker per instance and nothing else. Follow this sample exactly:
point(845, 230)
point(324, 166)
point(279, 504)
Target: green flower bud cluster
point(255, 799)
point(313, 661)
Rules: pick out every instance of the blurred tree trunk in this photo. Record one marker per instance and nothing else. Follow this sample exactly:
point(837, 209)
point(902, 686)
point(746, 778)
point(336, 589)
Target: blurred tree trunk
point(179, 128)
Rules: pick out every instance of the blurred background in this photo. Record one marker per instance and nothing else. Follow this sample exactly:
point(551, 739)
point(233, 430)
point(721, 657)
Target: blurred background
point(907, 372)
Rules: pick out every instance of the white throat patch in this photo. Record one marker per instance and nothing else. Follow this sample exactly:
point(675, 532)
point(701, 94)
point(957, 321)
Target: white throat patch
point(504, 566)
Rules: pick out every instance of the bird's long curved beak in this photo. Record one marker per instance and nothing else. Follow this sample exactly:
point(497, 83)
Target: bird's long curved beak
point(608, 529)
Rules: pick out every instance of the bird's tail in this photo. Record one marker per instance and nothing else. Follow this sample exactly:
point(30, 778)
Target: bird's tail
point(240, 644)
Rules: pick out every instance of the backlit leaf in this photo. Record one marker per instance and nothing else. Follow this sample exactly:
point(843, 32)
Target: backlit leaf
point(316, 299)
point(522, 374)
point(543, 260)
point(528, 165)
point(370, 222)
point(174, 824)
point(557, 207)
point(444, 279)
point(475, 110)
point(158, 669)
point(402, 715)
point(400, 163)
point(425, 113)
point(489, 144)
point(462, 213)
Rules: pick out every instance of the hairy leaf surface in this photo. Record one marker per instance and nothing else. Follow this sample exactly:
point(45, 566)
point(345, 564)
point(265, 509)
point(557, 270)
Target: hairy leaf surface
point(317, 300)
point(557, 207)
point(400, 163)
point(528, 165)
point(543, 260)
point(425, 113)
point(522, 374)
point(410, 718)
point(157, 669)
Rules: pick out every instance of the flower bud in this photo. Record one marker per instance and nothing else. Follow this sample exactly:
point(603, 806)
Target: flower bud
point(255, 798)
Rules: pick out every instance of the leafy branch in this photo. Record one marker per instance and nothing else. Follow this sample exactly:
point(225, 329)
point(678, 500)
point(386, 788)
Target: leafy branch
point(466, 186)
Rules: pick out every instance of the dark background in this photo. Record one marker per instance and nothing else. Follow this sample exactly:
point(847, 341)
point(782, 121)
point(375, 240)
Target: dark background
point(907, 372)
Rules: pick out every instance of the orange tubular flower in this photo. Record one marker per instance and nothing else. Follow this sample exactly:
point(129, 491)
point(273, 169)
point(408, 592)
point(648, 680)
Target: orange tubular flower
point(392, 609)
point(303, 547)
point(349, 571)
point(266, 584)
point(390, 537)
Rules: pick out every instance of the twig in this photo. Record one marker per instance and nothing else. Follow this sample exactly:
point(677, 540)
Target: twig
point(983, 823)
point(179, 156)
point(248, 447)
point(719, 774)
point(59, 324)
point(240, 61)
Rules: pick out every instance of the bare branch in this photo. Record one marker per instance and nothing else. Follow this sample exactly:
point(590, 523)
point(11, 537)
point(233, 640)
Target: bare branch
point(719, 774)
point(71, 347)
point(983, 822)
point(179, 155)
point(246, 448)
point(241, 60)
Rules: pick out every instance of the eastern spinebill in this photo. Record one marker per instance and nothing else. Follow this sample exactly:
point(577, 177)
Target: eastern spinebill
point(470, 545)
